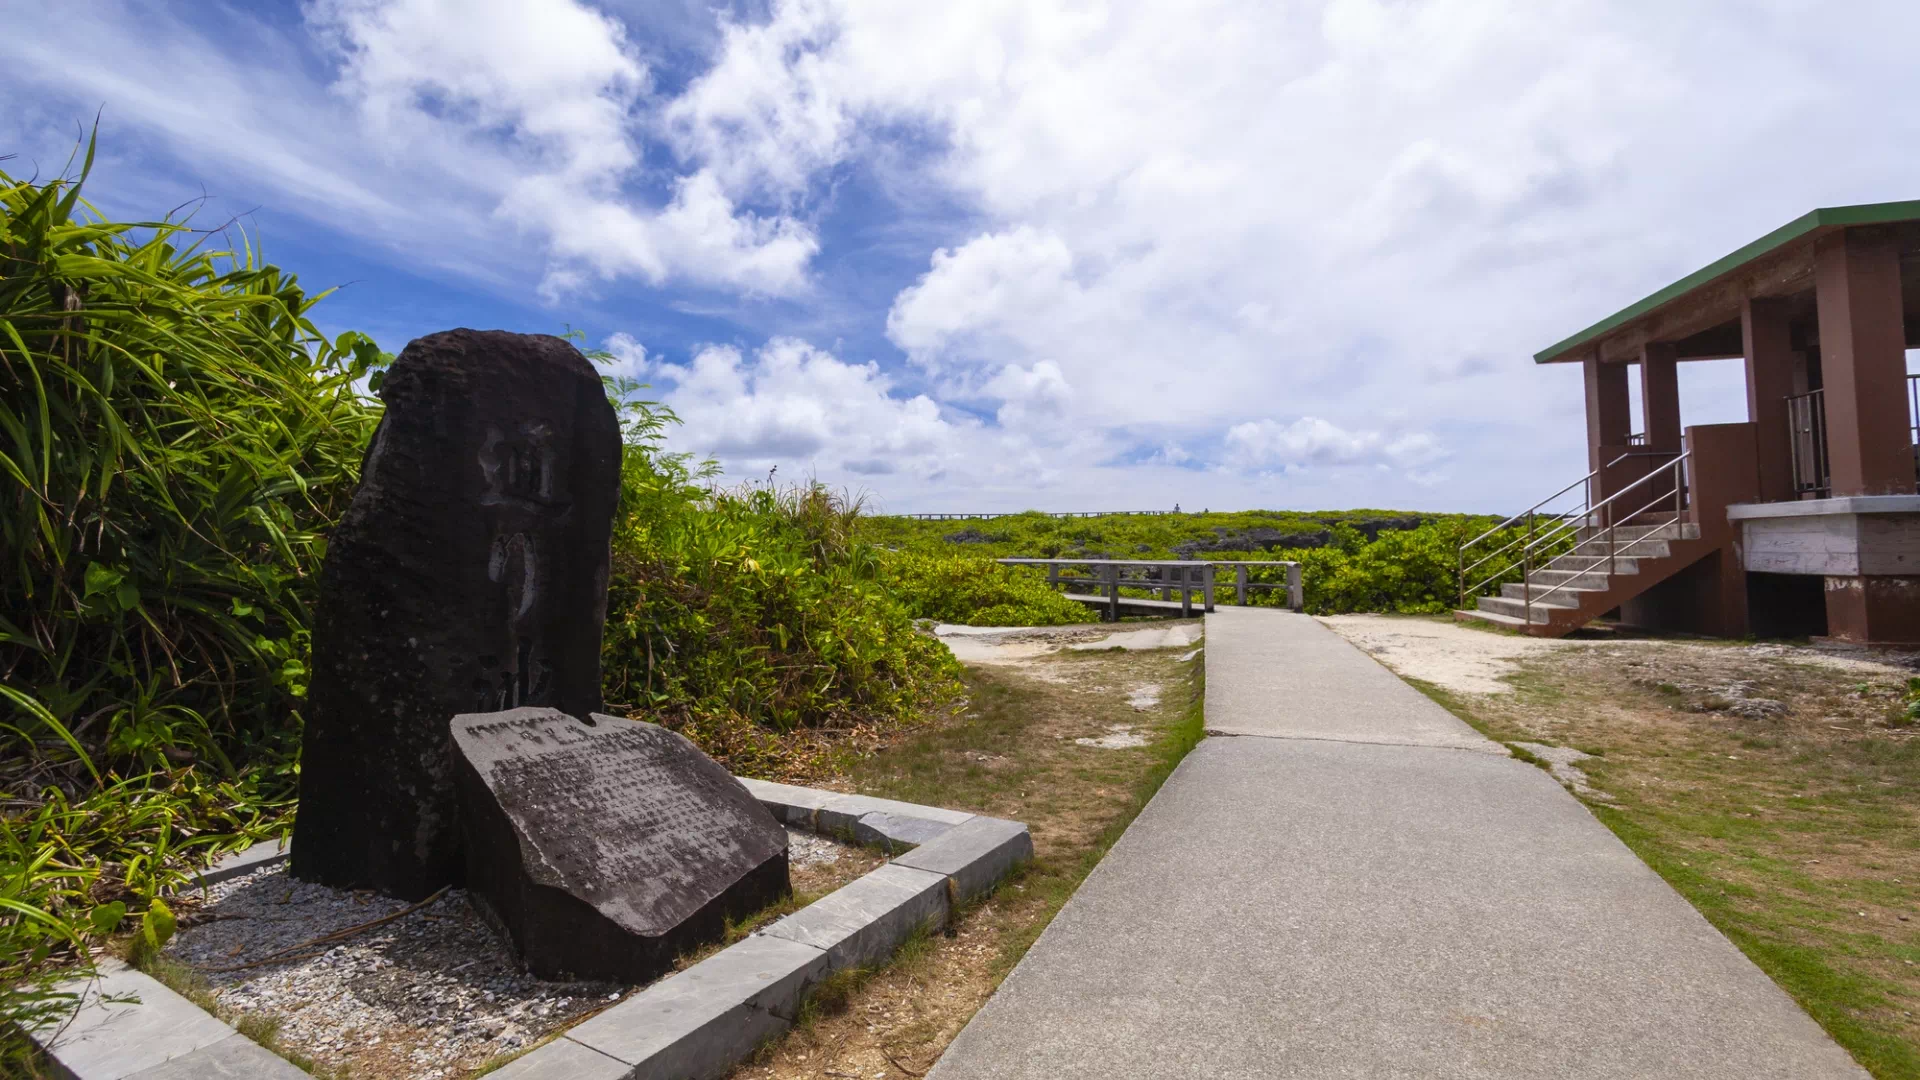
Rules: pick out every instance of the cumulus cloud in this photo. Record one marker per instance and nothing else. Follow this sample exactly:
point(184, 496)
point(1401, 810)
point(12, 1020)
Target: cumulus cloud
point(1267, 445)
point(1137, 249)
point(790, 402)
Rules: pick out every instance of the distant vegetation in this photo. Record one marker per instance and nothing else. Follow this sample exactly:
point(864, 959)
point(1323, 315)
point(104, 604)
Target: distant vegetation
point(1352, 560)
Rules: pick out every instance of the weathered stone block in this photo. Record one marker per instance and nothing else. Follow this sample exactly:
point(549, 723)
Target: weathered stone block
point(976, 854)
point(794, 805)
point(861, 923)
point(842, 815)
point(699, 1023)
point(468, 574)
point(606, 847)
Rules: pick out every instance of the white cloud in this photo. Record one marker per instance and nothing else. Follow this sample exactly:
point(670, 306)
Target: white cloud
point(1218, 214)
point(1246, 245)
point(791, 403)
point(1267, 445)
point(630, 359)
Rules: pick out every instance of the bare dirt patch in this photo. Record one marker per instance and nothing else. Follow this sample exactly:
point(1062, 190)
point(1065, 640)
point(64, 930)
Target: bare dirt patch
point(1016, 751)
point(1776, 786)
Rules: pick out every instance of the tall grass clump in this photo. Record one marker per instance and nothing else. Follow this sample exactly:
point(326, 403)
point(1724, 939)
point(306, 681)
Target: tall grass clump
point(175, 436)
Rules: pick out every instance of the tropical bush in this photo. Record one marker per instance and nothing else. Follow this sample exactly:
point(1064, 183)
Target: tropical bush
point(175, 436)
point(975, 591)
point(752, 618)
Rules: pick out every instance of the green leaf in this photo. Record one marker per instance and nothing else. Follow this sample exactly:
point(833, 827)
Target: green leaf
point(157, 925)
point(106, 918)
point(102, 579)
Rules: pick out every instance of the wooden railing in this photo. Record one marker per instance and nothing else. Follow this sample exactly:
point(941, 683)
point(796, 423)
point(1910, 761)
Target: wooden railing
point(1104, 580)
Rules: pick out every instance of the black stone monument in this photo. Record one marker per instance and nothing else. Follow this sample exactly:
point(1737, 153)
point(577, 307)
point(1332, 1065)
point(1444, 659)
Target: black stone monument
point(469, 574)
point(606, 847)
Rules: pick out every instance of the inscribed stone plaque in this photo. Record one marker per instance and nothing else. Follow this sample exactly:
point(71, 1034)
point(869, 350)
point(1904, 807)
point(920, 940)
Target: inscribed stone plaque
point(606, 847)
point(468, 574)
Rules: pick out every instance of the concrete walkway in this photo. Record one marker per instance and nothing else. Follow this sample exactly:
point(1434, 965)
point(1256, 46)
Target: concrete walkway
point(1355, 884)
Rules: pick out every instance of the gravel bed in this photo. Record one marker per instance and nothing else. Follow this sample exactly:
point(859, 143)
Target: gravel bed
point(435, 993)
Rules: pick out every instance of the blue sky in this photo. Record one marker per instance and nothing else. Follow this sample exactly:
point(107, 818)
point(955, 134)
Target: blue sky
point(998, 255)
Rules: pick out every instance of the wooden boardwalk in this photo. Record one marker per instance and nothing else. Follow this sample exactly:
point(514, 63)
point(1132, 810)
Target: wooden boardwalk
point(1182, 585)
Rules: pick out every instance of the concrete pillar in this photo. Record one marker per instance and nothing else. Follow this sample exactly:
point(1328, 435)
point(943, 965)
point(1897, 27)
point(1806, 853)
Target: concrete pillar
point(1770, 380)
point(1877, 610)
point(1609, 419)
point(1660, 396)
point(1863, 360)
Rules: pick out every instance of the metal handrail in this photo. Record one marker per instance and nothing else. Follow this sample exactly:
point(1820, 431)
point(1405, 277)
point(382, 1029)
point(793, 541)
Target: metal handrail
point(1546, 532)
point(1604, 503)
point(1555, 495)
point(1609, 531)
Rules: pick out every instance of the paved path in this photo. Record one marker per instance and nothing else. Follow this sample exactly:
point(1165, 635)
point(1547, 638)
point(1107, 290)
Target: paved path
point(1358, 885)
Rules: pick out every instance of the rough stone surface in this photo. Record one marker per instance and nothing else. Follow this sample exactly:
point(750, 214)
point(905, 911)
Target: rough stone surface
point(468, 574)
point(975, 854)
point(697, 1024)
point(126, 1022)
point(606, 847)
point(860, 924)
point(235, 1057)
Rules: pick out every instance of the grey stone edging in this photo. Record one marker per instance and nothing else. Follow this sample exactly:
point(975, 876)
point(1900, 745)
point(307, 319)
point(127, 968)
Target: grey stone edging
point(692, 1025)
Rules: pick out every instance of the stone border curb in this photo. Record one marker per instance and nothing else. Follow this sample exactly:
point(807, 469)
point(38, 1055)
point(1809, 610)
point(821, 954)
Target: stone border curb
point(245, 861)
point(129, 1026)
point(696, 1024)
point(699, 1023)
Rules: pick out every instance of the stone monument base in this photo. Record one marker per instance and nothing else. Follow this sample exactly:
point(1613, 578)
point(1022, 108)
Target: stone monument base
point(608, 847)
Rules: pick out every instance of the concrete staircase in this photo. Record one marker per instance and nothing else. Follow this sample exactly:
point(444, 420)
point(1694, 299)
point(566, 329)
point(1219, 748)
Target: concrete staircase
point(1582, 585)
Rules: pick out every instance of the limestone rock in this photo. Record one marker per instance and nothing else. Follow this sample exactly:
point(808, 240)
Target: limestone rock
point(606, 847)
point(468, 574)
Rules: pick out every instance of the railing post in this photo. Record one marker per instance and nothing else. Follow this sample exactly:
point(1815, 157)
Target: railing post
point(1186, 593)
point(1296, 594)
point(1053, 575)
point(1206, 587)
point(1112, 573)
point(1526, 572)
point(1240, 584)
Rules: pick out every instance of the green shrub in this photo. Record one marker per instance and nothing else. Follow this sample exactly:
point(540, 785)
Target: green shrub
point(976, 591)
point(175, 437)
point(752, 619)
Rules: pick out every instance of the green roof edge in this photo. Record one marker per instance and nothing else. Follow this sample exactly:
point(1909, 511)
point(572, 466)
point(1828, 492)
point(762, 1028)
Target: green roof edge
point(1824, 217)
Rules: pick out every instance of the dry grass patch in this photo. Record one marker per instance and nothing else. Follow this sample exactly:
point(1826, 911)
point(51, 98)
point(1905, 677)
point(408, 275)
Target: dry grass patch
point(1011, 753)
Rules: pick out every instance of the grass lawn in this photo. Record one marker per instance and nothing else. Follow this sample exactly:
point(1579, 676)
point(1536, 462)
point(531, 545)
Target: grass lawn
point(1011, 753)
point(1777, 790)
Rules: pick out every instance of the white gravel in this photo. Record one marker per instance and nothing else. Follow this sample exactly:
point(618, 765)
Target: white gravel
point(435, 993)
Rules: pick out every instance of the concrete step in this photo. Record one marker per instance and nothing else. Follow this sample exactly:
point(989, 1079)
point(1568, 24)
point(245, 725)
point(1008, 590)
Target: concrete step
point(1571, 596)
point(1506, 605)
point(1578, 579)
point(1587, 564)
point(1491, 618)
point(1626, 533)
point(1644, 549)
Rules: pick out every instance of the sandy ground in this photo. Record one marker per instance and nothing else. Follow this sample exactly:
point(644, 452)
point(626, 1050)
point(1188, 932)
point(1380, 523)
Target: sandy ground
point(1021, 645)
point(1472, 661)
